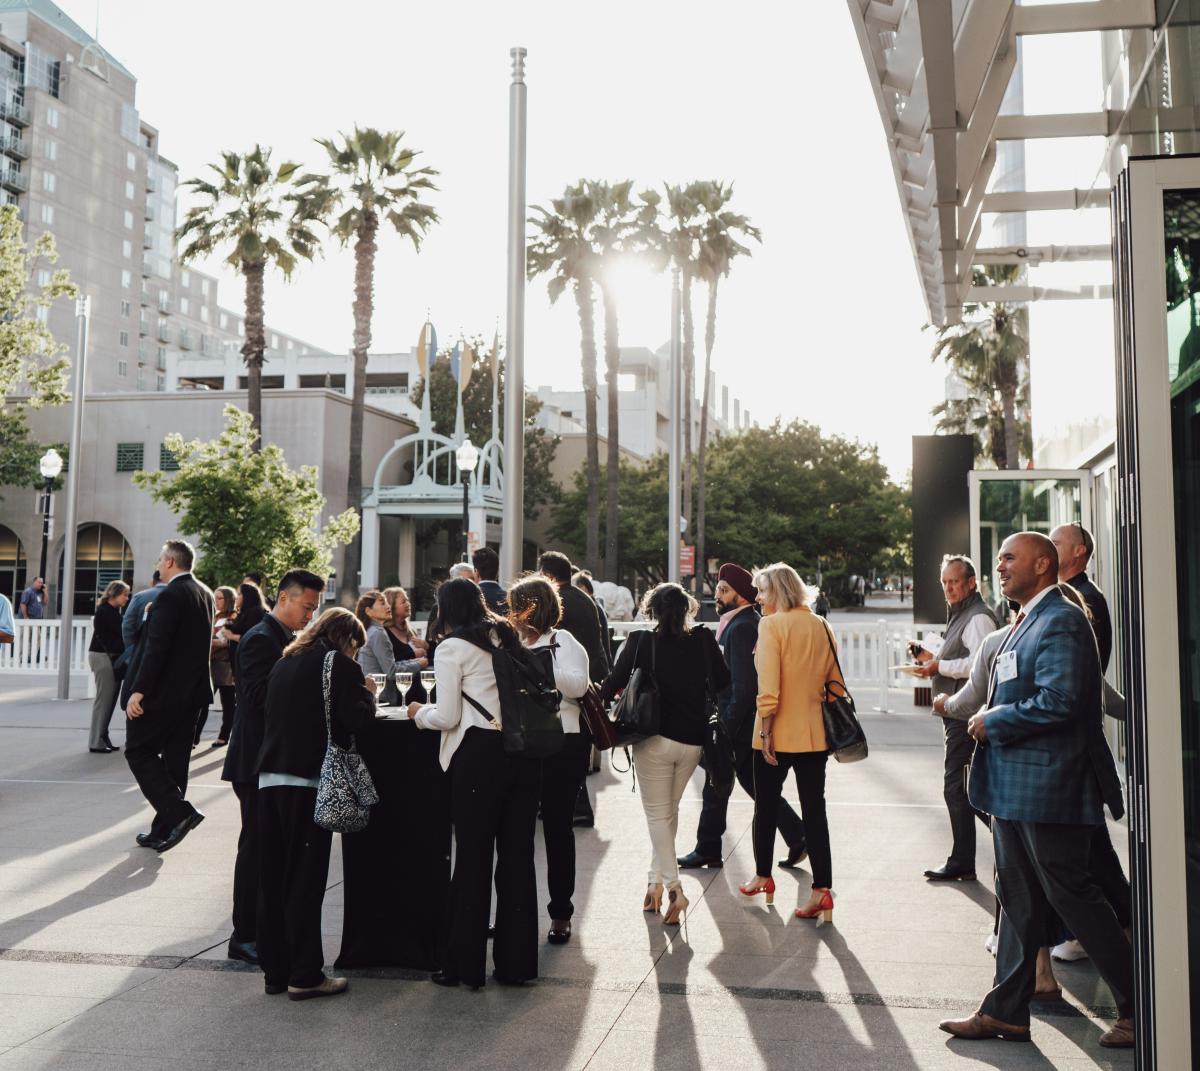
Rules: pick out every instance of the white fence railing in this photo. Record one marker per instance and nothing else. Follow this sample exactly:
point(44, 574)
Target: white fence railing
point(36, 643)
point(867, 653)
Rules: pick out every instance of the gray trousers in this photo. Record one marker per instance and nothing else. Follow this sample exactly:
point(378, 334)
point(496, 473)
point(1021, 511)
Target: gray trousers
point(1039, 864)
point(106, 697)
point(959, 748)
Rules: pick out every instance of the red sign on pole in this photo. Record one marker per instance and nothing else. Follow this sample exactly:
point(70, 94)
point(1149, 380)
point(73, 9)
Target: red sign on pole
point(687, 560)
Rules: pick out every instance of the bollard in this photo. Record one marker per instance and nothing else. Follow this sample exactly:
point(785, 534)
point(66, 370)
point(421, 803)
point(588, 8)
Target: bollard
point(884, 662)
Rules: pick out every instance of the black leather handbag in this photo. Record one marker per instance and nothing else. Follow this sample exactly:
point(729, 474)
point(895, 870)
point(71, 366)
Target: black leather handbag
point(844, 736)
point(638, 713)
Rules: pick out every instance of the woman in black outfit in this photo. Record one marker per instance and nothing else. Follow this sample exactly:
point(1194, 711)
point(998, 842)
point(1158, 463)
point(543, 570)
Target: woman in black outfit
point(221, 663)
point(105, 648)
point(293, 849)
point(493, 798)
point(249, 608)
point(683, 659)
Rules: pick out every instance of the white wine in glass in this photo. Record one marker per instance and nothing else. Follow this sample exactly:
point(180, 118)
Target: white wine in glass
point(428, 677)
point(404, 683)
point(380, 680)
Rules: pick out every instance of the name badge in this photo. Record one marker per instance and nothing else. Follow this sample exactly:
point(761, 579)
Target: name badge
point(1006, 666)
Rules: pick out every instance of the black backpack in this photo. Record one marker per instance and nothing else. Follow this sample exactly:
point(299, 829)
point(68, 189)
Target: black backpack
point(530, 722)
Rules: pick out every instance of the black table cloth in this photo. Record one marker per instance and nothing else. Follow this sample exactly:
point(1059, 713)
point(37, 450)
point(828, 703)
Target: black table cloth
point(397, 870)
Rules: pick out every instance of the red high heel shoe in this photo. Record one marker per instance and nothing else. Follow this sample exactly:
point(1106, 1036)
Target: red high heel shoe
point(769, 889)
point(822, 912)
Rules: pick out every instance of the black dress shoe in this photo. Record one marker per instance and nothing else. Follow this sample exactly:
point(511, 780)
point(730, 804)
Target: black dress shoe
point(274, 990)
point(694, 859)
point(950, 873)
point(560, 931)
point(584, 821)
point(795, 857)
point(505, 980)
point(148, 840)
point(443, 979)
point(100, 750)
point(109, 744)
point(246, 951)
point(180, 830)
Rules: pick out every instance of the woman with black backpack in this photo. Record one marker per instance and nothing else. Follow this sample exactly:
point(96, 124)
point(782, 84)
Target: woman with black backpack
point(685, 662)
point(493, 797)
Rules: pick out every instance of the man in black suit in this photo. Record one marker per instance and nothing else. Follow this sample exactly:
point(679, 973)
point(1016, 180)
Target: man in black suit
point(487, 569)
point(260, 648)
point(738, 633)
point(172, 681)
point(581, 619)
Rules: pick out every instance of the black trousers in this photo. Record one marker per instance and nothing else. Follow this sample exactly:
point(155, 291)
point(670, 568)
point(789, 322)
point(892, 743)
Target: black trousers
point(201, 721)
point(228, 694)
point(493, 805)
point(245, 867)
point(959, 748)
point(158, 747)
point(562, 781)
point(293, 872)
point(809, 767)
point(714, 812)
point(1105, 868)
point(1040, 865)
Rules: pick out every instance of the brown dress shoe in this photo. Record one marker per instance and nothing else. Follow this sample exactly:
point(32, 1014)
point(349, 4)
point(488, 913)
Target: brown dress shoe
point(1120, 1036)
point(981, 1026)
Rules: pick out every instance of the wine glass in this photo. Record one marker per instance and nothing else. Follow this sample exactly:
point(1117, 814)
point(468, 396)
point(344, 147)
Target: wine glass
point(380, 680)
point(428, 677)
point(404, 683)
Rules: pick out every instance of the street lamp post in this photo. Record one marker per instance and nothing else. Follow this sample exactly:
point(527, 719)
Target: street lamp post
point(51, 464)
point(466, 456)
point(674, 505)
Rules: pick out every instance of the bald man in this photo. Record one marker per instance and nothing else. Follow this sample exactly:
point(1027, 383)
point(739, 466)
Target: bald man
point(1043, 771)
point(1075, 547)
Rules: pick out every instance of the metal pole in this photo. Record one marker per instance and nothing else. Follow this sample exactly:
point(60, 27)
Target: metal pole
point(46, 492)
point(466, 482)
point(674, 504)
point(512, 540)
point(82, 310)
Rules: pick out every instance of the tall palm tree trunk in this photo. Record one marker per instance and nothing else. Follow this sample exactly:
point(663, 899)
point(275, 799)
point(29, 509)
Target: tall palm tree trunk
point(710, 335)
point(252, 348)
point(364, 307)
point(587, 343)
point(612, 360)
point(689, 392)
point(1008, 404)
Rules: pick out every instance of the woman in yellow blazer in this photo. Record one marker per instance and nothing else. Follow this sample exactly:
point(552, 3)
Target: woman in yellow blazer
point(794, 658)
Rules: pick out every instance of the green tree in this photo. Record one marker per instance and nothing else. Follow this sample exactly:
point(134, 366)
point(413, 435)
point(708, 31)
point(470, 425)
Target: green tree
point(246, 507)
point(989, 353)
point(250, 210)
point(33, 365)
point(372, 180)
point(720, 244)
point(540, 446)
point(561, 247)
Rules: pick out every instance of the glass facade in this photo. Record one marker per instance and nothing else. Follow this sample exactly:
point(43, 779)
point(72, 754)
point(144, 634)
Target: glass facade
point(102, 555)
point(13, 566)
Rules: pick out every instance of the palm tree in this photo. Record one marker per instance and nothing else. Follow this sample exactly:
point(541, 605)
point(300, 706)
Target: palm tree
point(250, 209)
point(372, 180)
point(610, 235)
point(719, 246)
point(989, 352)
point(561, 245)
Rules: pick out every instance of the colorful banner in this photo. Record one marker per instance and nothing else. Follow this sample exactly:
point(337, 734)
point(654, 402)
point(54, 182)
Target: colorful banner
point(426, 349)
point(462, 363)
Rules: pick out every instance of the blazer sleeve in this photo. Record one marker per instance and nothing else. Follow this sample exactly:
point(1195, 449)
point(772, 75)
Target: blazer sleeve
point(716, 660)
point(766, 661)
point(131, 620)
point(256, 657)
point(619, 676)
point(353, 705)
point(161, 628)
point(570, 666)
point(446, 713)
point(1061, 658)
point(741, 666)
point(380, 644)
point(972, 695)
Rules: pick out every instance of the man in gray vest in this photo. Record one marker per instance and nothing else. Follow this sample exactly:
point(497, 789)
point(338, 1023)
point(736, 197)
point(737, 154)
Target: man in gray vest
point(968, 621)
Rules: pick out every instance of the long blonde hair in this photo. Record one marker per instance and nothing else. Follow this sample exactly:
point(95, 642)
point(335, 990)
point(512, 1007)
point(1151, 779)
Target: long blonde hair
point(781, 585)
point(392, 594)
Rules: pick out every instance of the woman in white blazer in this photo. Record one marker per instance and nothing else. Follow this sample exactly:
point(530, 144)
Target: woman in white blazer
point(493, 798)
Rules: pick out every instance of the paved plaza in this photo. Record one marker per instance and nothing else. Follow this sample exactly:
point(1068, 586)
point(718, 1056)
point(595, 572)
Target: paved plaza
point(113, 957)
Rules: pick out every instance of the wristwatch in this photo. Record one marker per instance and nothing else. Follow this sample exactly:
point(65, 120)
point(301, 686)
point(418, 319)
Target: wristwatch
point(764, 736)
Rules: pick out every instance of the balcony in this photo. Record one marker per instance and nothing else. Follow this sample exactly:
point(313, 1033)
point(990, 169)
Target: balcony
point(147, 240)
point(17, 148)
point(15, 112)
point(160, 362)
point(185, 339)
point(151, 184)
point(148, 214)
point(143, 353)
point(164, 302)
point(144, 327)
point(146, 300)
point(12, 179)
point(164, 333)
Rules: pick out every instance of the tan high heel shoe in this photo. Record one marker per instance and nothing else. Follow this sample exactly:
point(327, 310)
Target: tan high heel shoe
point(653, 902)
point(679, 904)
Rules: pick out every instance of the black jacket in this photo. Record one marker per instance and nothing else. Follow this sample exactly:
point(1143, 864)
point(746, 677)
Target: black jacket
point(581, 619)
point(737, 702)
point(679, 667)
point(173, 672)
point(294, 740)
point(1101, 621)
point(495, 596)
point(106, 631)
point(255, 656)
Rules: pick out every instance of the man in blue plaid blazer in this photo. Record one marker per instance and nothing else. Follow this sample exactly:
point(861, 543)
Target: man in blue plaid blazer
point(1043, 771)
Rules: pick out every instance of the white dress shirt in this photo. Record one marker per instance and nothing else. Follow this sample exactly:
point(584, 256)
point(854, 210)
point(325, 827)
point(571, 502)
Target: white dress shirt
point(979, 627)
point(460, 666)
point(570, 673)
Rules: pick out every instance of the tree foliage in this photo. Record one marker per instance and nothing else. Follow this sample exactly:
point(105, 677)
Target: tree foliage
point(33, 365)
point(782, 493)
point(247, 509)
point(540, 446)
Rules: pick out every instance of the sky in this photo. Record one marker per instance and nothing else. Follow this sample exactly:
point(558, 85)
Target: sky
point(824, 322)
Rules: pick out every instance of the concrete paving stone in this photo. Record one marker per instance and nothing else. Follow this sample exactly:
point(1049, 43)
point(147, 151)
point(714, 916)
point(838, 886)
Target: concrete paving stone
point(27, 1015)
point(68, 980)
point(30, 1059)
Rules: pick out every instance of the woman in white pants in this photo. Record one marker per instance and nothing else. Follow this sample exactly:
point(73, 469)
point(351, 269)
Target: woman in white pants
point(683, 660)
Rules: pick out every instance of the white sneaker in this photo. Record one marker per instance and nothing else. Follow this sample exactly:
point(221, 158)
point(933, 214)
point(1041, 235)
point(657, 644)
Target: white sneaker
point(991, 943)
point(1068, 952)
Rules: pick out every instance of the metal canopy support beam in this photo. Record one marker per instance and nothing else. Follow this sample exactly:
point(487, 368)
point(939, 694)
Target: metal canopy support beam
point(937, 46)
point(1044, 200)
point(1042, 254)
point(1013, 294)
point(1076, 18)
point(1067, 125)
